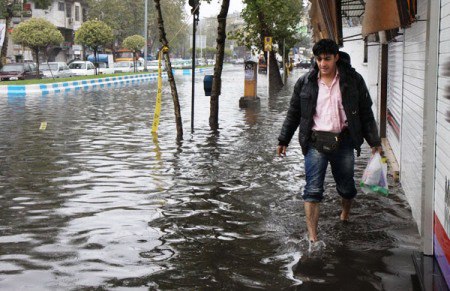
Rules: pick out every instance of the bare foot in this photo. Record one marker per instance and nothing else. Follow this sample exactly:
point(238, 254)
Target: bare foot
point(346, 205)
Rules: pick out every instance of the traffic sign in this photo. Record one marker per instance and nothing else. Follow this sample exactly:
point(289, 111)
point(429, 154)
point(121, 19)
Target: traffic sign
point(267, 43)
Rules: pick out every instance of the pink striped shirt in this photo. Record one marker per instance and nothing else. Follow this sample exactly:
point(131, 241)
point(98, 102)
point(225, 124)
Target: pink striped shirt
point(330, 115)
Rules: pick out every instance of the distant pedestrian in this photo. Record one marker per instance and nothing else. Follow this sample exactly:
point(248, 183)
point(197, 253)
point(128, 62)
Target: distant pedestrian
point(332, 107)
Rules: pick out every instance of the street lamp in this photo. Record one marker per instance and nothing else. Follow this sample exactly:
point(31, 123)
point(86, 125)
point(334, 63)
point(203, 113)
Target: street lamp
point(195, 4)
point(145, 35)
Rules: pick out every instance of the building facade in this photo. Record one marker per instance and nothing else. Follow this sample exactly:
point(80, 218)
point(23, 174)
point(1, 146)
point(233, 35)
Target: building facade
point(415, 117)
point(66, 15)
point(406, 45)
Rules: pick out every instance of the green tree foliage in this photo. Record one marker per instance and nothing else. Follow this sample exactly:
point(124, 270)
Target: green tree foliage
point(126, 17)
point(278, 19)
point(94, 34)
point(134, 43)
point(3, 8)
point(43, 3)
point(37, 34)
point(176, 28)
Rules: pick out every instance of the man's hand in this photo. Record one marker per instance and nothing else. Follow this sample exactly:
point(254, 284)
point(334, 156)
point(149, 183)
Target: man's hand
point(281, 150)
point(377, 149)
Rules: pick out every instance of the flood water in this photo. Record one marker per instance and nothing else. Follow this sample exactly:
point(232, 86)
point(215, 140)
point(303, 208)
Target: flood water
point(95, 202)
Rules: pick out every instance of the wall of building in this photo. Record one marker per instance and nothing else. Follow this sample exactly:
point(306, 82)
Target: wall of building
point(353, 48)
point(52, 14)
point(443, 120)
point(395, 95)
point(63, 14)
point(373, 69)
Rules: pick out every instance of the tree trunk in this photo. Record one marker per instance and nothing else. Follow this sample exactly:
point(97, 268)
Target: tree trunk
point(36, 53)
point(173, 86)
point(275, 81)
point(217, 80)
point(95, 62)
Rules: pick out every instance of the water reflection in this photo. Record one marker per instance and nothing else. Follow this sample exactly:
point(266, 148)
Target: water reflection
point(96, 201)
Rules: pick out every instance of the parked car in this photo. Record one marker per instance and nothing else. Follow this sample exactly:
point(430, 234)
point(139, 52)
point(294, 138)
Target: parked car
point(123, 67)
point(104, 69)
point(153, 65)
point(82, 68)
point(127, 67)
point(303, 64)
point(18, 71)
point(104, 63)
point(55, 70)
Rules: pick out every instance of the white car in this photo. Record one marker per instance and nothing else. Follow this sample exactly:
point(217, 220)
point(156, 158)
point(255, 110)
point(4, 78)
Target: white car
point(128, 66)
point(104, 69)
point(124, 67)
point(82, 68)
point(55, 70)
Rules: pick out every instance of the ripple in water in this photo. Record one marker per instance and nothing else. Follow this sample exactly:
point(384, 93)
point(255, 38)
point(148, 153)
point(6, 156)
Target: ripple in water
point(95, 201)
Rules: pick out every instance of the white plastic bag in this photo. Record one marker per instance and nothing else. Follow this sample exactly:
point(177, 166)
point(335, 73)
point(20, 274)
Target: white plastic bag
point(374, 179)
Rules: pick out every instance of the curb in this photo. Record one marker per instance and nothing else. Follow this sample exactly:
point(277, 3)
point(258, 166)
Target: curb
point(394, 168)
point(188, 72)
point(45, 89)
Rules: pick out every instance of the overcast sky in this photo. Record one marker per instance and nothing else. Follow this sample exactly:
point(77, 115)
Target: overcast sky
point(209, 10)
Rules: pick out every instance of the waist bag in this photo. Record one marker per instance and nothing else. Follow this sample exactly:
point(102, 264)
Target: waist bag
point(326, 142)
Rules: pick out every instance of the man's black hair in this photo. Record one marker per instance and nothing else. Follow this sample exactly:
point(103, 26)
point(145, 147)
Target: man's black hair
point(345, 57)
point(325, 46)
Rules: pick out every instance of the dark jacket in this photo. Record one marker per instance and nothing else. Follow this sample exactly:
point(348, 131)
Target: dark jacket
point(355, 100)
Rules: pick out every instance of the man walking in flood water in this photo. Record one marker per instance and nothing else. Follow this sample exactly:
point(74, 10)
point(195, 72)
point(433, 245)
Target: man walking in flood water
point(332, 107)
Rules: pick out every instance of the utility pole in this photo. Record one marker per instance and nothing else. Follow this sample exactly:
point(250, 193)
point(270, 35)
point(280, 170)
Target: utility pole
point(145, 35)
point(195, 4)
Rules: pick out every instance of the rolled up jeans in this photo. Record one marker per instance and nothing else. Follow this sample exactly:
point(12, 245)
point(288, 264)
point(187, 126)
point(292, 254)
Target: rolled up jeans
point(342, 167)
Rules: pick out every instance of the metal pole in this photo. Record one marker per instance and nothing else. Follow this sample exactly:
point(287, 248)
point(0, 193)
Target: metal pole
point(429, 130)
point(145, 34)
point(285, 68)
point(193, 67)
point(268, 73)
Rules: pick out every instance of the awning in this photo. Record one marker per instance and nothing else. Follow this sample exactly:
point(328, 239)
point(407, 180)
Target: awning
point(380, 15)
point(326, 21)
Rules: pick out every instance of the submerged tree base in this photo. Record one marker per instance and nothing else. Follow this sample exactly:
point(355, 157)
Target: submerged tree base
point(249, 102)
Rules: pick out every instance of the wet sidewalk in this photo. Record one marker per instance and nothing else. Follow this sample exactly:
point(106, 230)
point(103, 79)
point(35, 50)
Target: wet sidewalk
point(95, 201)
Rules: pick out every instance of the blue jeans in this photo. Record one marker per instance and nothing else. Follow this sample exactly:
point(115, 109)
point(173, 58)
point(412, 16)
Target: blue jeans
point(342, 167)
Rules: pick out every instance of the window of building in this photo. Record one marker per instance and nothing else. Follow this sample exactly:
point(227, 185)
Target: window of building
point(38, 5)
point(77, 13)
point(61, 6)
point(84, 14)
point(69, 11)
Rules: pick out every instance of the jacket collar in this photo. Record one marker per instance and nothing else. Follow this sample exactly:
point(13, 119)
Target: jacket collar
point(342, 68)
